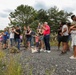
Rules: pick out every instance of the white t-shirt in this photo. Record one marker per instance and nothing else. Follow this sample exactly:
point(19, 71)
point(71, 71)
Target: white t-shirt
point(65, 33)
point(11, 35)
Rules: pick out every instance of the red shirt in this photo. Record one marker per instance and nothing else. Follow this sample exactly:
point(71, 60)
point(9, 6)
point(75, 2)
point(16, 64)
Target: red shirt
point(37, 39)
point(47, 30)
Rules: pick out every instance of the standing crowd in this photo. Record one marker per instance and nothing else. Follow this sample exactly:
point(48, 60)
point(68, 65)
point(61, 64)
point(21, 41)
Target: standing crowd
point(40, 40)
point(31, 40)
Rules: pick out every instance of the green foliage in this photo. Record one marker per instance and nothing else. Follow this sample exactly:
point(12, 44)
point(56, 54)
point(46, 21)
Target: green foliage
point(1, 31)
point(2, 54)
point(13, 50)
point(27, 15)
point(50, 71)
point(13, 67)
point(56, 16)
point(23, 15)
point(42, 15)
point(34, 25)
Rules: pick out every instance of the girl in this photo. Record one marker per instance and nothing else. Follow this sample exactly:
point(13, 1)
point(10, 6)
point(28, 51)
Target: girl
point(1, 40)
point(37, 41)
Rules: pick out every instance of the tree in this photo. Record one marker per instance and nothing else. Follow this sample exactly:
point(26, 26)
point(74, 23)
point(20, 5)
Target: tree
point(56, 16)
point(42, 15)
point(27, 15)
point(23, 15)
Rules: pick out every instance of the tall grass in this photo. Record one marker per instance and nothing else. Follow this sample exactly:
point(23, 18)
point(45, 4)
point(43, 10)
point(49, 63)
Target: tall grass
point(9, 65)
point(2, 55)
point(13, 67)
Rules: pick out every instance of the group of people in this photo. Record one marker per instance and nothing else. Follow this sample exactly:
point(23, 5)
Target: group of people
point(66, 32)
point(13, 37)
point(10, 37)
point(40, 39)
point(36, 40)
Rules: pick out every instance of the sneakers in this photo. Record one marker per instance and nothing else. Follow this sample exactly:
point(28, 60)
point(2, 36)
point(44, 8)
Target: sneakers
point(34, 50)
point(72, 57)
point(45, 50)
point(41, 50)
point(48, 51)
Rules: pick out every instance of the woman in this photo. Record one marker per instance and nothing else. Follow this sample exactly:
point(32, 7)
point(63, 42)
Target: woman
point(28, 36)
point(64, 38)
point(40, 32)
point(12, 36)
point(73, 34)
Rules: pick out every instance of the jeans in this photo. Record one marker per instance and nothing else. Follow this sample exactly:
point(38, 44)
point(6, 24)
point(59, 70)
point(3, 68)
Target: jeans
point(46, 41)
point(11, 41)
point(18, 43)
point(32, 41)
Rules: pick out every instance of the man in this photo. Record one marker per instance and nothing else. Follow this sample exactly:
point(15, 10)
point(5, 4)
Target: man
point(46, 34)
point(5, 39)
point(17, 36)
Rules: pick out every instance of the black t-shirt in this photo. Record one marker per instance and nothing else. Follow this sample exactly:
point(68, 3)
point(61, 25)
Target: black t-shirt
point(27, 34)
point(17, 36)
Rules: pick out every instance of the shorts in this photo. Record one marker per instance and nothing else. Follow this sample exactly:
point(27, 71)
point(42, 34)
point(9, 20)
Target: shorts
point(69, 38)
point(41, 38)
point(29, 39)
point(59, 38)
point(64, 38)
point(74, 40)
point(4, 41)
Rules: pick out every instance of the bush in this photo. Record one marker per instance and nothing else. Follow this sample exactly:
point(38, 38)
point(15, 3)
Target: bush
point(13, 50)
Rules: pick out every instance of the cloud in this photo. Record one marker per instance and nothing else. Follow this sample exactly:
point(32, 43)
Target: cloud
point(69, 9)
point(40, 5)
point(7, 10)
point(3, 15)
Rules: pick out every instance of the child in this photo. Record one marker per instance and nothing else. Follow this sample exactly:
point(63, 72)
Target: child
point(1, 40)
point(21, 38)
point(36, 49)
point(37, 40)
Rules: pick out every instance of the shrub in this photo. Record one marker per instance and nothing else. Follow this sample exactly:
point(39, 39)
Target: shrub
point(13, 50)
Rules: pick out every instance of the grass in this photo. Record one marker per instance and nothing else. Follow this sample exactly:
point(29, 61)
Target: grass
point(50, 71)
point(9, 66)
point(13, 67)
point(53, 42)
point(2, 54)
point(2, 65)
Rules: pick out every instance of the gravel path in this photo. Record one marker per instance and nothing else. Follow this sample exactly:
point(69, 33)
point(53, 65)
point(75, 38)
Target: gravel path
point(46, 63)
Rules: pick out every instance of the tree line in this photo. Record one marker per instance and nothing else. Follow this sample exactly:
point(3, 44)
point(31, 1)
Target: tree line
point(27, 15)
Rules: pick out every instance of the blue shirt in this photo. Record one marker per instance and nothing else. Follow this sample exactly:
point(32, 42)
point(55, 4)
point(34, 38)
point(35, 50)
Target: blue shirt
point(5, 37)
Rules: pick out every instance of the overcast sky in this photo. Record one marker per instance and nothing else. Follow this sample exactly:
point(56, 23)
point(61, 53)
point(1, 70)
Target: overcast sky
point(7, 6)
